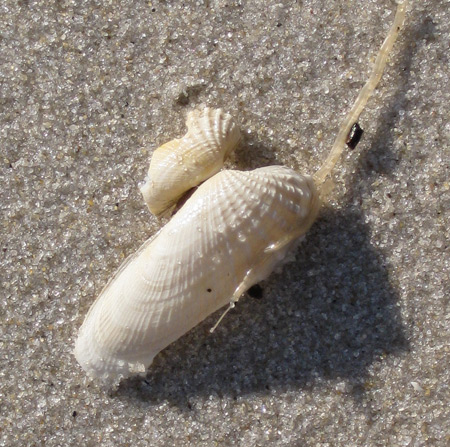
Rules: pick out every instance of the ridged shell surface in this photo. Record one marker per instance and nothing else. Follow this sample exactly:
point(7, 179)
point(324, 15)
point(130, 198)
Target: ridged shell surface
point(229, 235)
point(181, 164)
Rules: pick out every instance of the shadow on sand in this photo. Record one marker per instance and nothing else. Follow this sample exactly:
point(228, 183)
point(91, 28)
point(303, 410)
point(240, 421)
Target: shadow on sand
point(329, 315)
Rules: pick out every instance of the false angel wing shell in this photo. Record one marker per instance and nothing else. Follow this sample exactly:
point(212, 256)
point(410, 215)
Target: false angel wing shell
point(181, 164)
point(228, 236)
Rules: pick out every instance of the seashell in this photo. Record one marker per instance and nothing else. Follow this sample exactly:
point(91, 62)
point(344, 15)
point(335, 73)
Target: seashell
point(184, 163)
point(230, 234)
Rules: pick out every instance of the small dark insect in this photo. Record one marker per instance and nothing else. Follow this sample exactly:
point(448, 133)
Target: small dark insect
point(255, 291)
point(354, 136)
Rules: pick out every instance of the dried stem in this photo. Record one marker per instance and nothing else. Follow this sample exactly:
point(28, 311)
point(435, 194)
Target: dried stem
point(364, 95)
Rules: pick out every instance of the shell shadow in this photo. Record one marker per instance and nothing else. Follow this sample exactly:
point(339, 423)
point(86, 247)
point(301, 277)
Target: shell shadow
point(329, 315)
point(252, 153)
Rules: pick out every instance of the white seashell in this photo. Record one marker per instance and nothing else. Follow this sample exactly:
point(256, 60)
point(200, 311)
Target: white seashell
point(229, 235)
point(181, 164)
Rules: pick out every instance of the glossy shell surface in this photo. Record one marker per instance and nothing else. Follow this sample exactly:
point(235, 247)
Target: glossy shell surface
point(229, 235)
point(183, 163)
